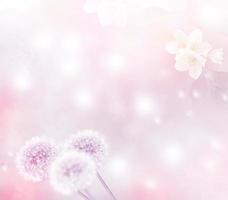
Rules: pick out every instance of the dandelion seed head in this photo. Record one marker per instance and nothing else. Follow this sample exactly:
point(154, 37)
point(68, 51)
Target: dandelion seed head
point(34, 158)
point(90, 143)
point(72, 172)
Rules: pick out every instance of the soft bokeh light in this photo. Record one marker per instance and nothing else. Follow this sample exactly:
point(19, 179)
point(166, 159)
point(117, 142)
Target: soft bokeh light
point(70, 65)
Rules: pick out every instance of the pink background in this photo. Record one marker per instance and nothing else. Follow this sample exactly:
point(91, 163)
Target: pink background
point(61, 71)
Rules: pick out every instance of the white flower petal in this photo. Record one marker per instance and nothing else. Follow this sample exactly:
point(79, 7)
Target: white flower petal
point(182, 61)
point(201, 61)
point(195, 72)
point(180, 36)
point(216, 56)
point(195, 41)
point(172, 47)
point(196, 36)
point(204, 48)
point(191, 52)
point(181, 39)
point(181, 67)
point(189, 60)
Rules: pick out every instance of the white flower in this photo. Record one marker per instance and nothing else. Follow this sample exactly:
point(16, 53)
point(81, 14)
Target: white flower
point(180, 42)
point(188, 60)
point(216, 56)
point(108, 11)
point(72, 172)
point(192, 52)
point(193, 42)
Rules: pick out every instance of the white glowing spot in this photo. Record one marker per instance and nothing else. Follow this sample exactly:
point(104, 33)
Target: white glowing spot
point(215, 144)
point(189, 113)
point(145, 105)
point(70, 68)
point(43, 40)
point(157, 120)
point(210, 165)
point(71, 43)
point(21, 82)
point(115, 63)
point(196, 94)
point(151, 184)
point(118, 167)
point(181, 94)
point(10, 154)
point(224, 97)
point(4, 167)
point(173, 155)
point(83, 99)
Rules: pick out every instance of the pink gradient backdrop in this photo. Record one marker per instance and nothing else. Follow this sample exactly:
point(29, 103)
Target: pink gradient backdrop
point(61, 71)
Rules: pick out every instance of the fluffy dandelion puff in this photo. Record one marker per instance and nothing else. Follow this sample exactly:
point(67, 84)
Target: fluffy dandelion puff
point(72, 172)
point(90, 143)
point(34, 158)
point(93, 145)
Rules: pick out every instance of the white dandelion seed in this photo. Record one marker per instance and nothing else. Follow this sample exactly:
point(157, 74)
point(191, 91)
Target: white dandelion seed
point(91, 143)
point(72, 172)
point(34, 158)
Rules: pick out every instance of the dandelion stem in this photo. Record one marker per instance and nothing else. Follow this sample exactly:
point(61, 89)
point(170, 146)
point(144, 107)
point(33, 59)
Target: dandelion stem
point(106, 186)
point(83, 195)
point(89, 195)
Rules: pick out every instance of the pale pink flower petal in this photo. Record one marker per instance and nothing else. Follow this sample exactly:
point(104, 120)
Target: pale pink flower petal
point(189, 60)
point(196, 44)
point(192, 52)
point(195, 72)
point(197, 66)
point(196, 36)
point(204, 48)
point(182, 63)
point(181, 38)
